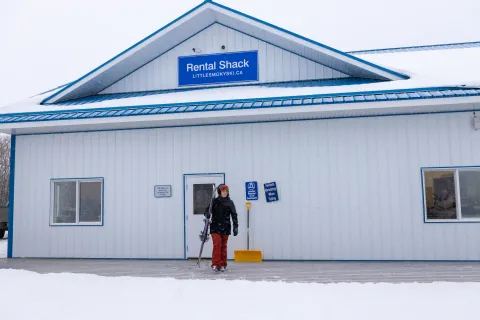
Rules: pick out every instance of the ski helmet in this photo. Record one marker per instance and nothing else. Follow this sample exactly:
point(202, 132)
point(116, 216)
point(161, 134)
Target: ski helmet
point(222, 187)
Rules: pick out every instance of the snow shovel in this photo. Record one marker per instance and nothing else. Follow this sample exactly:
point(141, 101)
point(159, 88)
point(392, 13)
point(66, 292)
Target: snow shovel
point(248, 255)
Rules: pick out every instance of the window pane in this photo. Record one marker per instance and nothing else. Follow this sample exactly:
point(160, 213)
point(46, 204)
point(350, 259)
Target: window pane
point(202, 194)
point(470, 193)
point(90, 202)
point(65, 202)
point(440, 194)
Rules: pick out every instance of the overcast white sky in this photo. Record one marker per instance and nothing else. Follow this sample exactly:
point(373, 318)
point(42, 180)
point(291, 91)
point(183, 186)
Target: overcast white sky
point(46, 43)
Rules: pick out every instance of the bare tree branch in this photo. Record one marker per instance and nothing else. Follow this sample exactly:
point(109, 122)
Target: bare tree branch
point(4, 169)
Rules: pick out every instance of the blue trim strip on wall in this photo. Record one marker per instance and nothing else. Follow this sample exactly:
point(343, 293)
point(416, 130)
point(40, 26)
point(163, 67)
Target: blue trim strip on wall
point(236, 104)
point(453, 221)
point(11, 195)
point(402, 76)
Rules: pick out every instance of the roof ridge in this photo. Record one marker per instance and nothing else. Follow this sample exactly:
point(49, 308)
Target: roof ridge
point(454, 45)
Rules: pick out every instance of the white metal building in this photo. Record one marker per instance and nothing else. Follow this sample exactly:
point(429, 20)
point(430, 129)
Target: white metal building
point(375, 154)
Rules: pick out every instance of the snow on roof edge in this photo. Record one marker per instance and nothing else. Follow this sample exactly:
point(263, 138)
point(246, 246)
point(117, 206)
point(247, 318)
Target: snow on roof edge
point(422, 66)
point(446, 46)
point(228, 95)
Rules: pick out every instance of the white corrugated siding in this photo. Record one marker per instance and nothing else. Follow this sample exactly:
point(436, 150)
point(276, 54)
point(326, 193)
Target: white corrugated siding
point(275, 64)
point(349, 189)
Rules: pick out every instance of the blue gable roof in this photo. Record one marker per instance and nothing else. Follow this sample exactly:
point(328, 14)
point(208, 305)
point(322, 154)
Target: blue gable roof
point(209, 12)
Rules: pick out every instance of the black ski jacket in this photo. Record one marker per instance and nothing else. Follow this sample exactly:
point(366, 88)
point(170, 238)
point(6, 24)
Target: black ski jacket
point(222, 210)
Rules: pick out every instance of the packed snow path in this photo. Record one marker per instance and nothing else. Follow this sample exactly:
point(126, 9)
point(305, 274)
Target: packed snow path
point(320, 272)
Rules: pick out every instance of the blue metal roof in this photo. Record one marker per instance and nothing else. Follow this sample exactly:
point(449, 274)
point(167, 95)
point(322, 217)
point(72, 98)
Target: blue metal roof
point(290, 84)
point(460, 45)
point(276, 102)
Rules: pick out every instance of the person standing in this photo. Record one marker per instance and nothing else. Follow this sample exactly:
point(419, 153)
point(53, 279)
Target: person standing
point(223, 210)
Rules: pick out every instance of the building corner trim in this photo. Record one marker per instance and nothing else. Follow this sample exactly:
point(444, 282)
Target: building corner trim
point(13, 139)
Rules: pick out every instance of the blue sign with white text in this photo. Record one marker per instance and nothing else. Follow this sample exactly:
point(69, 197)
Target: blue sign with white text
point(218, 68)
point(251, 190)
point(271, 193)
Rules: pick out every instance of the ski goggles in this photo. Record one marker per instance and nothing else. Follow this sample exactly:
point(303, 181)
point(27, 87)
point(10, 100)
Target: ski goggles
point(223, 188)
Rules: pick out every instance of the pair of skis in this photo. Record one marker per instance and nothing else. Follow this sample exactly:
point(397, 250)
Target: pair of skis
point(204, 237)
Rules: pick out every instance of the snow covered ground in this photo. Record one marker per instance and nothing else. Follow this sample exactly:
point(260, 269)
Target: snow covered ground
point(4, 246)
point(28, 295)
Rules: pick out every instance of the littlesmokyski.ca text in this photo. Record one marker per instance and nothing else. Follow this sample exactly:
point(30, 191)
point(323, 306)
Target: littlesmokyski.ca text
point(217, 74)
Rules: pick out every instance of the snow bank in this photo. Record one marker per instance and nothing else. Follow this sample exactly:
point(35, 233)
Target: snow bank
point(28, 295)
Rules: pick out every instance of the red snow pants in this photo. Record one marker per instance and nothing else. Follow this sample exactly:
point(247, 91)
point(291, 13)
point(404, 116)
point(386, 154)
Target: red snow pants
point(219, 254)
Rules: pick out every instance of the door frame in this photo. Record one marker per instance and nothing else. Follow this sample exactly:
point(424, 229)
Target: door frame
point(185, 176)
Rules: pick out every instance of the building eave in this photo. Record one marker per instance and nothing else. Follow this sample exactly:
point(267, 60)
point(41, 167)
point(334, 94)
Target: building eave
point(318, 107)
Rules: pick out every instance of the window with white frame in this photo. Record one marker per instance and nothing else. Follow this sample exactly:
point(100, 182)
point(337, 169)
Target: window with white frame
point(77, 201)
point(452, 194)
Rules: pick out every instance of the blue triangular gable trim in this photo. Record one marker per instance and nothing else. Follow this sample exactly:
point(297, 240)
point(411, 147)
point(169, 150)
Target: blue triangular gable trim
point(402, 76)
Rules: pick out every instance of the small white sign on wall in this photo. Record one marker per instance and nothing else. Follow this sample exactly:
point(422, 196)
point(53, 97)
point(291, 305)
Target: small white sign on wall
point(476, 122)
point(164, 191)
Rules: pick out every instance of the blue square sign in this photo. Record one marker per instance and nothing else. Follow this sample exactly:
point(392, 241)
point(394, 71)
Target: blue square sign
point(271, 193)
point(251, 190)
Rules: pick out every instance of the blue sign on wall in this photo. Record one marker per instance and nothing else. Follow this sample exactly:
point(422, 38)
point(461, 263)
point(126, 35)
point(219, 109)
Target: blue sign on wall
point(271, 193)
point(218, 68)
point(251, 190)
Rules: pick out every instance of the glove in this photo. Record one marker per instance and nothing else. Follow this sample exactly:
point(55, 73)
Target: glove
point(207, 215)
point(235, 231)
